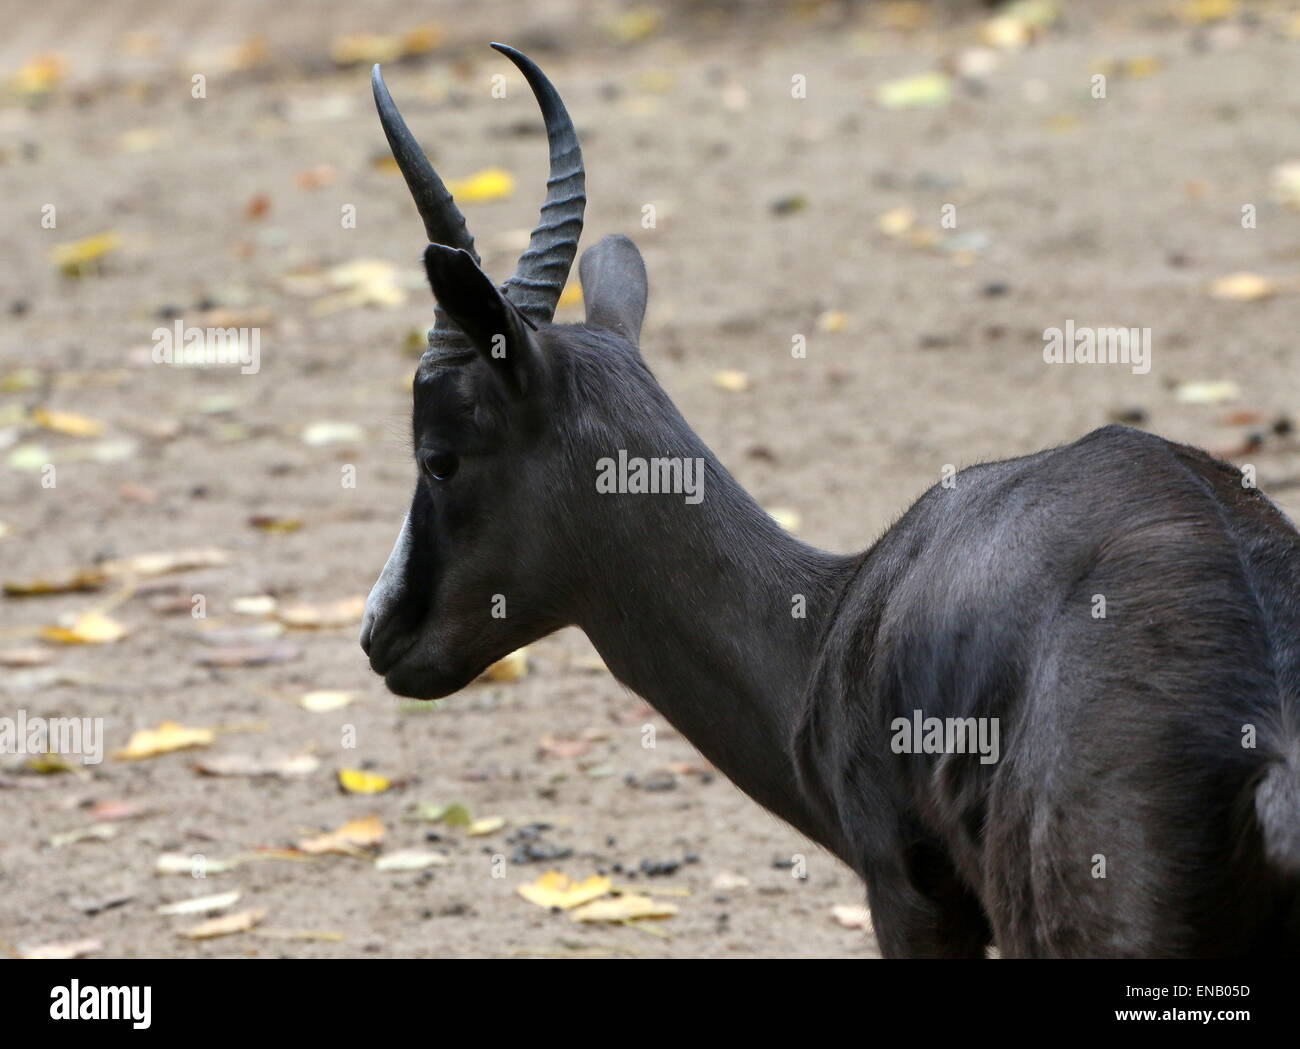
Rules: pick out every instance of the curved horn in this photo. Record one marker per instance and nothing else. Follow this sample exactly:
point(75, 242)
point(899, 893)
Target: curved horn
point(443, 221)
point(543, 269)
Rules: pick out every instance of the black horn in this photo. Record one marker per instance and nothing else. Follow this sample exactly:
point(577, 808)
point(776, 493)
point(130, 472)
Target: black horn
point(443, 221)
point(543, 269)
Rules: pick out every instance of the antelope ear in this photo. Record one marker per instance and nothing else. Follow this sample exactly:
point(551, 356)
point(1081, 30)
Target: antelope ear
point(493, 324)
point(614, 286)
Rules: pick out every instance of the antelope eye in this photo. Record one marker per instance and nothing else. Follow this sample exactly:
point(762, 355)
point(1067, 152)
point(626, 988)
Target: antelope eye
point(440, 466)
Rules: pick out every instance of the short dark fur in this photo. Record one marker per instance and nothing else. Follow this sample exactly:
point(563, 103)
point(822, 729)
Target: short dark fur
point(1121, 737)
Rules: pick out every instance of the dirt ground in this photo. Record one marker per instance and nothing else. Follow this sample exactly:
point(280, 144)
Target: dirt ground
point(924, 349)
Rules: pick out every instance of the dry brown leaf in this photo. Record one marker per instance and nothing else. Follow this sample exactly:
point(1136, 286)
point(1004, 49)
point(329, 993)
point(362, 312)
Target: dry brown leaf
point(631, 907)
point(410, 860)
point(250, 655)
point(65, 950)
point(284, 766)
point(226, 925)
point(365, 832)
point(343, 612)
point(201, 904)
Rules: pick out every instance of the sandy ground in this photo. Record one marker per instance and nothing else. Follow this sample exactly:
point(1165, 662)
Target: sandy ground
point(1114, 212)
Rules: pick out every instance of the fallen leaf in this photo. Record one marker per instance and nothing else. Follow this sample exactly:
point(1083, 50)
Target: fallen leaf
point(169, 736)
point(852, 917)
point(1207, 392)
point(146, 566)
point(49, 764)
point(285, 767)
point(327, 432)
point(192, 864)
point(67, 423)
point(323, 701)
point(99, 832)
point(630, 907)
point(410, 860)
point(39, 75)
point(66, 582)
point(250, 655)
point(725, 881)
point(319, 177)
point(786, 518)
point(365, 832)
point(556, 889)
point(30, 656)
point(487, 825)
point(925, 89)
point(832, 321)
point(1243, 287)
point(1285, 182)
point(731, 380)
point(1199, 12)
point(254, 605)
point(484, 186)
point(66, 950)
point(83, 257)
point(552, 746)
point(226, 925)
point(276, 525)
point(355, 781)
point(114, 811)
point(343, 612)
point(202, 904)
point(88, 628)
point(509, 668)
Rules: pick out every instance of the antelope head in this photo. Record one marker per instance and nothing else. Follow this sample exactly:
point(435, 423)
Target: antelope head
point(508, 420)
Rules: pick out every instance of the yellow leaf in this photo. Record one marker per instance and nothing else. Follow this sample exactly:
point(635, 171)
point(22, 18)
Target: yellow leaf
point(623, 909)
point(39, 75)
point(167, 737)
point(355, 781)
point(510, 668)
point(732, 381)
point(570, 296)
point(832, 321)
point(1198, 12)
point(555, 889)
point(322, 701)
point(89, 628)
point(897, 221)
point(225, 925)
point(786, 518)
point(487, 825)
point(67, 423)
point(487, 185)
point(1243, 287)
point(83, 256)
point(637, 24)
point(62, 583)
point(925, 89)
point(1207, 392)
point(349, 840)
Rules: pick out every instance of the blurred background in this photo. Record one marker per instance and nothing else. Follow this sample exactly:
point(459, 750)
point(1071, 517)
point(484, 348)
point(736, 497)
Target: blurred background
point(919, 190)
